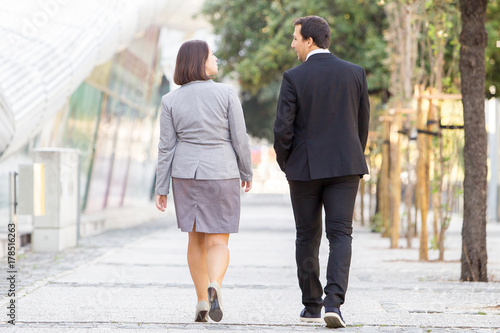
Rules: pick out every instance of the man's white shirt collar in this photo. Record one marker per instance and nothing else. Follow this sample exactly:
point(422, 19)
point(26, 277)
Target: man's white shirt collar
point(316, 52)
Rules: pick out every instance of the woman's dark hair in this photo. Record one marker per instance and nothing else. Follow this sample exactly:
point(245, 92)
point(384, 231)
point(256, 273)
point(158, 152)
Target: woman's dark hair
point(190, 63)
point(315, 27)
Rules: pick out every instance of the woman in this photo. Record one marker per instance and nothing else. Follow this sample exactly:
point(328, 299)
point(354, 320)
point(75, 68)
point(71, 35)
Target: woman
point(204, 148)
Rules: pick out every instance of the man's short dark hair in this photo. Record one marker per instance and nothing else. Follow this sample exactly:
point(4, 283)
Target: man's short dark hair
point(315, 27)
point(190, 64)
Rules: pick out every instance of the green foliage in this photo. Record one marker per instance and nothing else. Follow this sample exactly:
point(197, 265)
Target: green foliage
point(442, 27)
point(255, 37)
point(377, 223)
point(258, 119)
point(434, 244)
point(254, 40)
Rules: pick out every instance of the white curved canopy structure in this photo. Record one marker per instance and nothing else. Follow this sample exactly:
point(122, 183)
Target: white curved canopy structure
point(48, 47)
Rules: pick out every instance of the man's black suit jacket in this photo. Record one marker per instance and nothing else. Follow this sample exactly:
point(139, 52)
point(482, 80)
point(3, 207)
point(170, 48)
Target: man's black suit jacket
point(322, 119)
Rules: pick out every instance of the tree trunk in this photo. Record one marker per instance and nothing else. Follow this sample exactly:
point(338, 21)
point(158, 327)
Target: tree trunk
point(384, 180)
point(473, 39)
point(395, 180)
point(431, 127)
point(373, 172)
point(422, 188)
point(440, 243)
point(409, 187)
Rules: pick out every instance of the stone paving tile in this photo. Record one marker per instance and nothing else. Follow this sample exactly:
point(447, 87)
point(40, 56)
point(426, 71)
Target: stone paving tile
point(212, 327)
point(136, 274)
point(38, 267)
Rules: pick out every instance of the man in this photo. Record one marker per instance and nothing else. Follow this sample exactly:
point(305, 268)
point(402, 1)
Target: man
point(320, 135)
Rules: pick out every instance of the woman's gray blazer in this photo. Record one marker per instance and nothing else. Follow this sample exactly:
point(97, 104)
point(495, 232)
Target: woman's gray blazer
point(202, 135)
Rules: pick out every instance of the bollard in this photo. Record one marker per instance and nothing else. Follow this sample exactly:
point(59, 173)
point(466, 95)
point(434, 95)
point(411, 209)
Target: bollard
point(56, 199)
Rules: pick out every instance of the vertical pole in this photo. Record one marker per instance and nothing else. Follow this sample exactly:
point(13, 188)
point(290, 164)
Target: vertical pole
point(78, 196)
point(431, 158)
point(497, 203)
point(100, 115)
point(361, 196)
point(492, 123)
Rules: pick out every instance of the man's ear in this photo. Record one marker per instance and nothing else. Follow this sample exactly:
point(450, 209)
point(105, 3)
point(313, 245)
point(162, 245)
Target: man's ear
point(310, 42)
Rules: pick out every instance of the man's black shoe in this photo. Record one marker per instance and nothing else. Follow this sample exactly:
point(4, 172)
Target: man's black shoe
point(333, 318)
point(308, 317)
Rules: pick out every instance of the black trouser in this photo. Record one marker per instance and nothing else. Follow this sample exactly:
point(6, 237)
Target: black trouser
point(337, 195)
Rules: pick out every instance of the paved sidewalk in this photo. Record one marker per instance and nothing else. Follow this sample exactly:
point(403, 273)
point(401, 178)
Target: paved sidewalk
point(137, 279)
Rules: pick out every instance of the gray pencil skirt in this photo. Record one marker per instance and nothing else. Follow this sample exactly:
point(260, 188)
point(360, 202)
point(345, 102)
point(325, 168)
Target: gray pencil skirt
point(213, 204)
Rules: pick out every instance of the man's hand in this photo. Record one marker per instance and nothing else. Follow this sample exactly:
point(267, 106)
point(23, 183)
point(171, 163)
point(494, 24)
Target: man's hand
point(247, 185)
point(161, 202)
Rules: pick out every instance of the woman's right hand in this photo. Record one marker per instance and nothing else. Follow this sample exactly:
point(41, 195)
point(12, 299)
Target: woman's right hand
point(161, 202)
point(247, 185)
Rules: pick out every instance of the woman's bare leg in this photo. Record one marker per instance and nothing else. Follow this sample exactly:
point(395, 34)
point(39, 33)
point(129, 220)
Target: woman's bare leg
point(217, 258)
point(197, 261)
